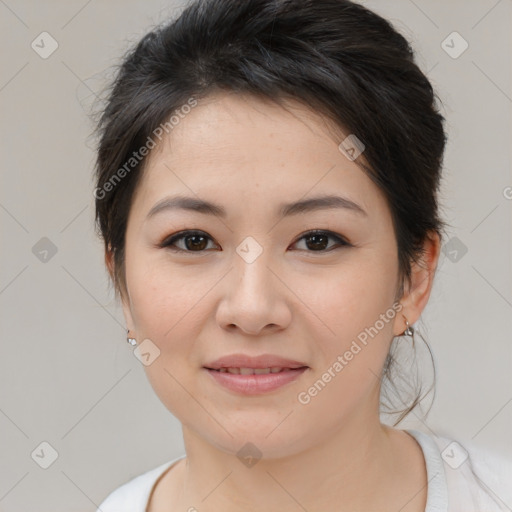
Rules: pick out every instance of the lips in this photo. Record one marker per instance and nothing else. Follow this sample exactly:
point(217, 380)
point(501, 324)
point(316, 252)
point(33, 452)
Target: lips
point(246, 375)
point(247, 365)
point(253, 371)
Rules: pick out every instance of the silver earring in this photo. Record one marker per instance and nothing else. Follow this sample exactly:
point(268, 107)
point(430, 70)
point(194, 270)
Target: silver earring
point(409, 331)
point(131, 341)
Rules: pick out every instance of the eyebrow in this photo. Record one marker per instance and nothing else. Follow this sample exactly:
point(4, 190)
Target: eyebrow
point(285, 210)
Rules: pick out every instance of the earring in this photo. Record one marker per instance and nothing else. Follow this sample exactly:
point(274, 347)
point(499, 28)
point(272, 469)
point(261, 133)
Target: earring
point(131, 341)
point(409, 331)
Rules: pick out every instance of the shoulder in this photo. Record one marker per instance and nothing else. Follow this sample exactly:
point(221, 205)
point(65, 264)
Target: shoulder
point(475, 477)
point(484, 474)
point(134, 494)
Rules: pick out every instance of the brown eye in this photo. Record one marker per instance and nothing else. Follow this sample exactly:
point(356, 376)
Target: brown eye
point(197, 241)
point(318, 241)
point(193, 241)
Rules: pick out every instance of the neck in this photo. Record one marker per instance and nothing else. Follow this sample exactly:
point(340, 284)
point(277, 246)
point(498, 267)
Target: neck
point(334, 474)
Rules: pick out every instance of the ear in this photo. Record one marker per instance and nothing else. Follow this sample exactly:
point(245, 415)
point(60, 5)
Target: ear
point(416, 297)
point(125, 299)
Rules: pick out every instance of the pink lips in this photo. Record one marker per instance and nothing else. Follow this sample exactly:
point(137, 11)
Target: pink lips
point(245, 361)
point(226, 371)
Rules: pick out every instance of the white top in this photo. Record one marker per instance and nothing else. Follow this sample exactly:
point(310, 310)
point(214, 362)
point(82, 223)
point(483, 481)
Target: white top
point(460, 479)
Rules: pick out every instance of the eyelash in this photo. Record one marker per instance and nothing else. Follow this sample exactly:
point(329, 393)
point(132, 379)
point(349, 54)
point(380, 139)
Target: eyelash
point(169, 241)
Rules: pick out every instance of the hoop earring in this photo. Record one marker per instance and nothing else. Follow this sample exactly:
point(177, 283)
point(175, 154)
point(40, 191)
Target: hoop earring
point(131, 341)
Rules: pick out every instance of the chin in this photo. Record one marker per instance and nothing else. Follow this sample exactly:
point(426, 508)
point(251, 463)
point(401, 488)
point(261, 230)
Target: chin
point(258, 441)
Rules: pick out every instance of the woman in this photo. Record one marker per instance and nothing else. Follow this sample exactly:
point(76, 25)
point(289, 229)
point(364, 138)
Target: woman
point(267, 182)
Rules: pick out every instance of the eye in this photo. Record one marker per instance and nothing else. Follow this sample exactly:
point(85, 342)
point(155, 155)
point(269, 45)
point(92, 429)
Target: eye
point(317, 240)
point(197, 241)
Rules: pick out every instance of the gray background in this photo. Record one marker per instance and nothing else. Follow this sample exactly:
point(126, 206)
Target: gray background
point(67, 375)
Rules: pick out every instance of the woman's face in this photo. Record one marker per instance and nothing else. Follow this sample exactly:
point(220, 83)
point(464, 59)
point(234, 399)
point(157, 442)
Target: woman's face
point(254, 282)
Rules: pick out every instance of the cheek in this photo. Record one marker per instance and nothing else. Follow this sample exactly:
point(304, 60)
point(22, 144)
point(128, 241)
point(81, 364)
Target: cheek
point(167, 309)
point(352, 299)
point(165, 299)
point(356, 310)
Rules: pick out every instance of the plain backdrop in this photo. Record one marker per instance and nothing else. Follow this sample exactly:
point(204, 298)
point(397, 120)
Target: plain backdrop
point(67, 376)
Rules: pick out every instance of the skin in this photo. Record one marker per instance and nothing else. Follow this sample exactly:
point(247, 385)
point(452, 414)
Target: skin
point(249, 156)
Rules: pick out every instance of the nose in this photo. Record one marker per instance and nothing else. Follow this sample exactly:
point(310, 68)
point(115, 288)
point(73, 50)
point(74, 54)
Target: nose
point(254, 299)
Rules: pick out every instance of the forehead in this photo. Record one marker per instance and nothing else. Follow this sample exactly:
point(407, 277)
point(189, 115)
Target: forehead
point(241, 148)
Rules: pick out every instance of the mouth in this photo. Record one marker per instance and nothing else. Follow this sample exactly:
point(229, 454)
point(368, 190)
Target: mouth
point(255, 371)
point(245, 374)
point(255, 381)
